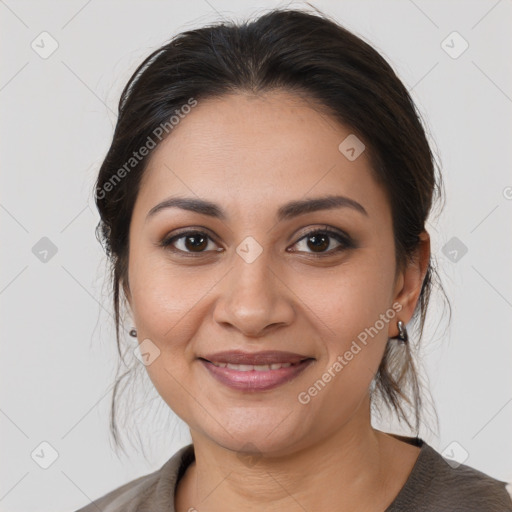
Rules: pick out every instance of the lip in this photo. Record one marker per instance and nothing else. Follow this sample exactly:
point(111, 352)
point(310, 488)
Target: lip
point(256, 358)
point(255, 380)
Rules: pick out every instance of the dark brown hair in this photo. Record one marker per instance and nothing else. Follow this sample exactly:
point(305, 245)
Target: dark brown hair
point(312, 56)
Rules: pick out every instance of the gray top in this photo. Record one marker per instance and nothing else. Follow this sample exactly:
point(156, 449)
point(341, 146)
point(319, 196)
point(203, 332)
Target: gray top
point(433, 486)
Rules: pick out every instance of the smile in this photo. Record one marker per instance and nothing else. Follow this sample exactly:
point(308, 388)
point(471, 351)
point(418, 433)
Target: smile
point(256, 367)
point(248, 377)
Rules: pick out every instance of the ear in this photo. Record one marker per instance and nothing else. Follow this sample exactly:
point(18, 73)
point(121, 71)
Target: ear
point(410, 281)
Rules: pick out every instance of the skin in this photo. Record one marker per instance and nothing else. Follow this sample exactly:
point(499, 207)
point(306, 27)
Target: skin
point(251, 154)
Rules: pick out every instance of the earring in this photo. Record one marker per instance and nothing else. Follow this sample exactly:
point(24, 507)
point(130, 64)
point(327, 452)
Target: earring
point(402, 333)
point(133, 332)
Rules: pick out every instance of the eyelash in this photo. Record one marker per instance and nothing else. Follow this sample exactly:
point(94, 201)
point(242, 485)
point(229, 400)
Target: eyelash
point(345, 241)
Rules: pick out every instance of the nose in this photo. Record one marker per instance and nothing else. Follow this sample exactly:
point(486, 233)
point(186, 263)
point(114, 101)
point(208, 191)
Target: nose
point(253, 298)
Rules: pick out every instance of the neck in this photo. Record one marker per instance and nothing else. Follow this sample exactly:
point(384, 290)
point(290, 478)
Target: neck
point(346, 471)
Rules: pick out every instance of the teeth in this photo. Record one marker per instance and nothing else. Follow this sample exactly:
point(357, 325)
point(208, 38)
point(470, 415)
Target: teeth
point(257, 367)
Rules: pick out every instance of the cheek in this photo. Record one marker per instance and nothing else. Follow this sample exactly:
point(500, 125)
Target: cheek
point(161, 293)
point(349, 299)
point(167, 310)
point(165, 314)
point(352, 312)
point(169, 307)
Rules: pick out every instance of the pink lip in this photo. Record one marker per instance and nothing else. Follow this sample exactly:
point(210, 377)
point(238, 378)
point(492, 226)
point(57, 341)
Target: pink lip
point(255, 380)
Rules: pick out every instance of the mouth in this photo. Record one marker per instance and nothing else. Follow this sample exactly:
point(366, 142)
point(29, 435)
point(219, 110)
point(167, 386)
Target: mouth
point(262, 358)
point(255, 367)
point(255, 377)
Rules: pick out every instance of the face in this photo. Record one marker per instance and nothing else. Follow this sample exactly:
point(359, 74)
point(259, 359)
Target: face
point(313, 283)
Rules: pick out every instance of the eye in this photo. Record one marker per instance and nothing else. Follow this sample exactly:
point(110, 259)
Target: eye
point(319, 240)
point(189, 242)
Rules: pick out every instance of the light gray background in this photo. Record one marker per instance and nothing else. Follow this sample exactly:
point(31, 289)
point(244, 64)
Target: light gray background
point(58, 346)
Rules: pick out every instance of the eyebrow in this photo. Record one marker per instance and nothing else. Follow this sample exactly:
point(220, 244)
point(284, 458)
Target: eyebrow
point(285, 212)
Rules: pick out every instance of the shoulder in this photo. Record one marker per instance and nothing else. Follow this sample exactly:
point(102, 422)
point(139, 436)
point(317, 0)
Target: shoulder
point(152, 492)
point(437, 484)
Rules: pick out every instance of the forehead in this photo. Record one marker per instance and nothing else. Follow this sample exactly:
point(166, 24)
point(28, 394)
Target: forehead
point(240, 148)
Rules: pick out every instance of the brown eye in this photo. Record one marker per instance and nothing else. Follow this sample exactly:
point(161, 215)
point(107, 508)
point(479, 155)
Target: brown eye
point(188, 242)
point(319, 241)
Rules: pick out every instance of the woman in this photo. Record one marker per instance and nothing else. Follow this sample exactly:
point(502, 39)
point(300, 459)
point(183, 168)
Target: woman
point(263, 204)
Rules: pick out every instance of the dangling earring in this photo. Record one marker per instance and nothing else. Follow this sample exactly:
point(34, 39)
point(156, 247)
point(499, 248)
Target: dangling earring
point(402, 333)
point(133, 332)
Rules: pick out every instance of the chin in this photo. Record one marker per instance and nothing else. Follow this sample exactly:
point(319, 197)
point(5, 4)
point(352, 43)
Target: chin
point(256, 441)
